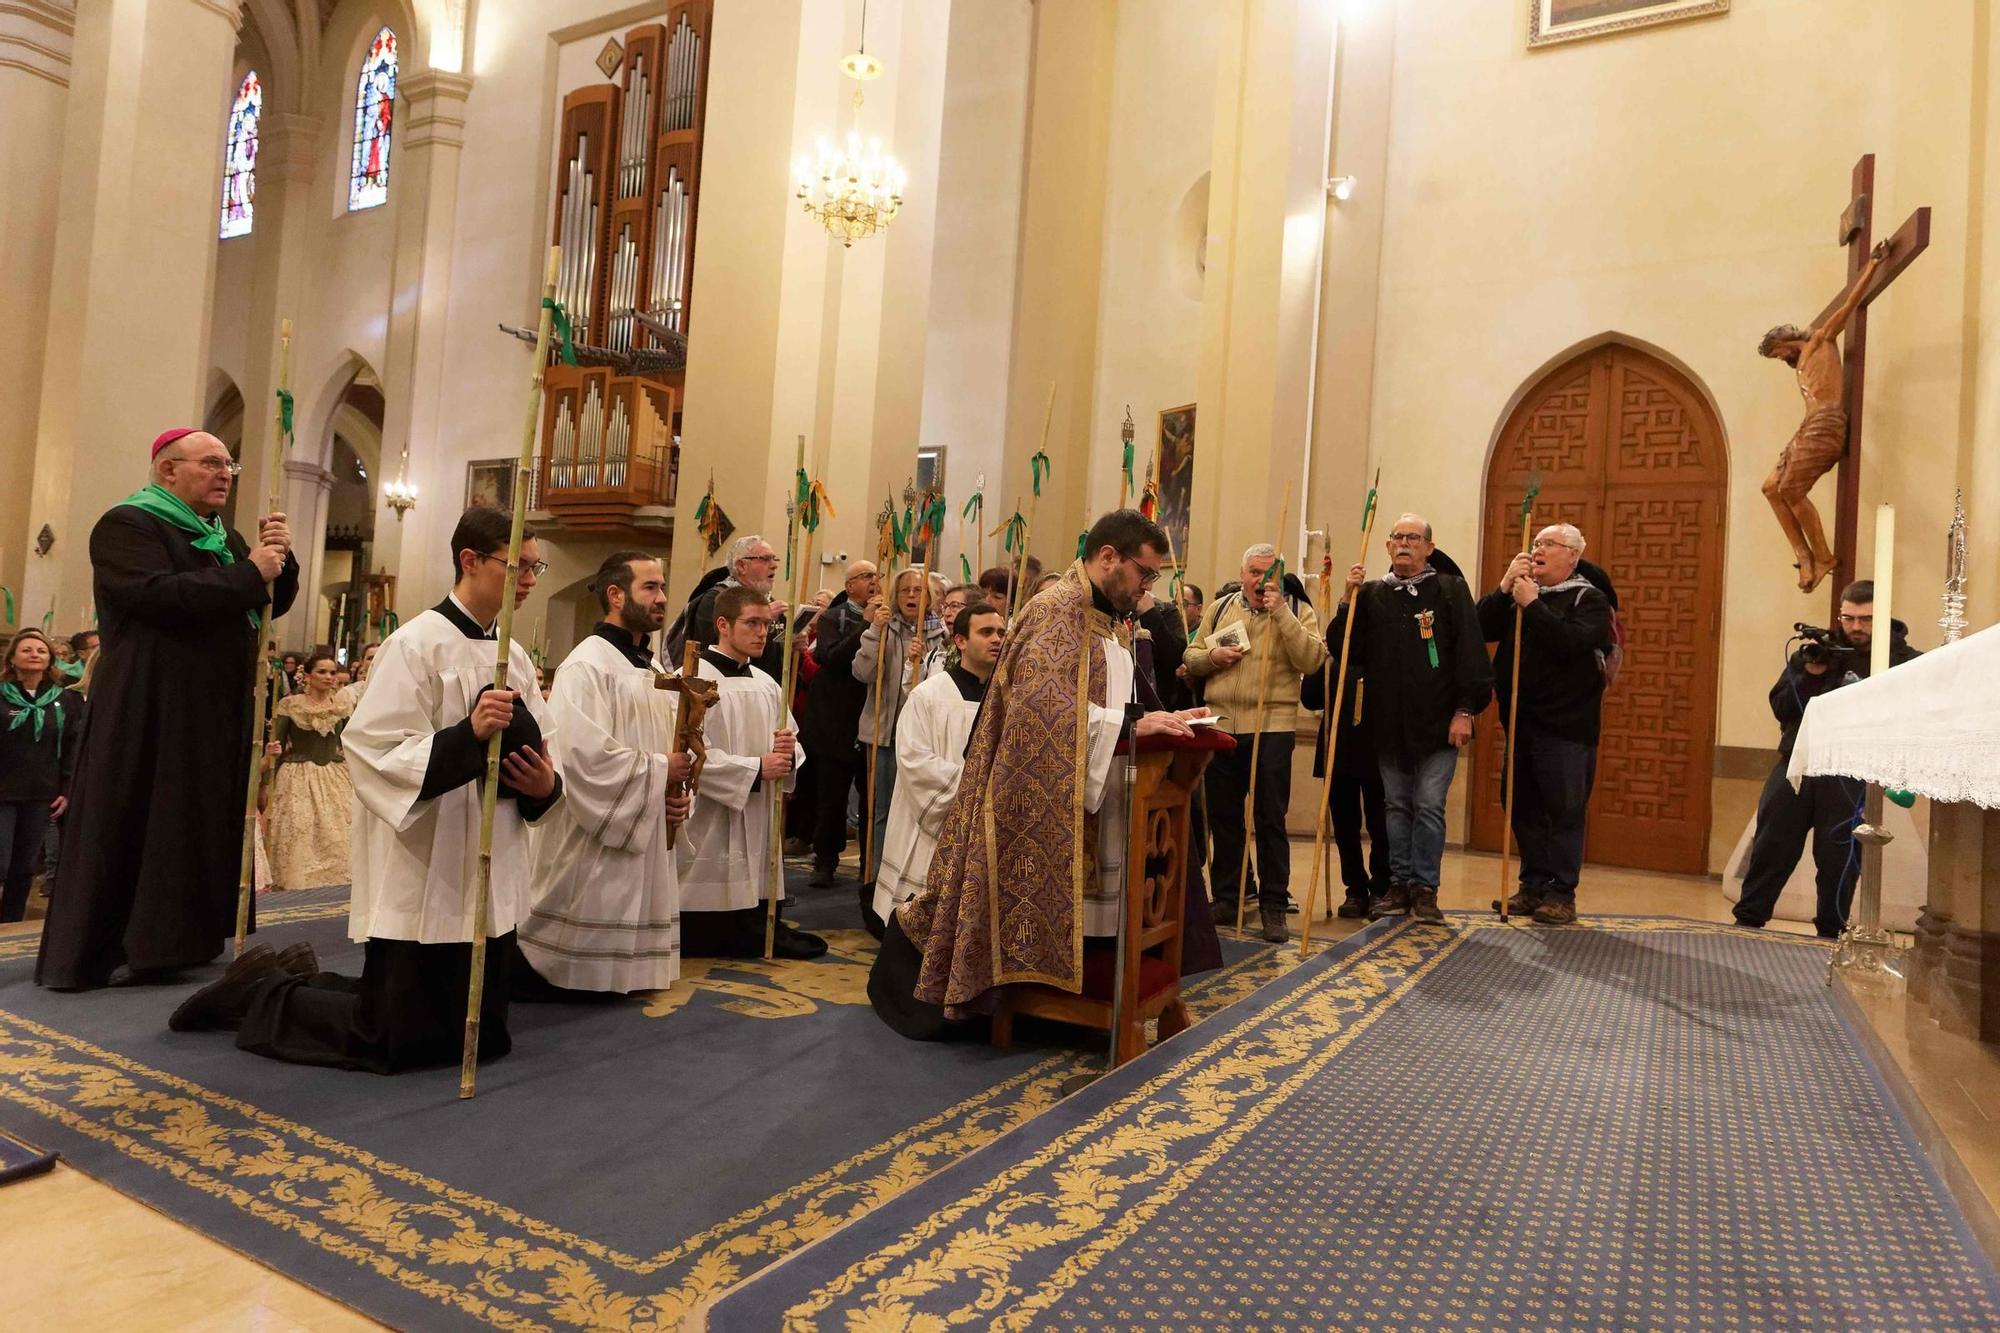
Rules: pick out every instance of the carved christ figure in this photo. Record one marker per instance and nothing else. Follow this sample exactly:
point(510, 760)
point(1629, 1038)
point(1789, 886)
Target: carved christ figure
point(1821, 439)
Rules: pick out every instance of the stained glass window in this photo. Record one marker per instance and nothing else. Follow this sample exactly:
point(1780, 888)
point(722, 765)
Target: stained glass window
point(239, 169)
point(374, 104)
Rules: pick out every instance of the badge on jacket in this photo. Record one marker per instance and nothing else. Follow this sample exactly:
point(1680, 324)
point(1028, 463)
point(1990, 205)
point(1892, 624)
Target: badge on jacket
point(1425, 619)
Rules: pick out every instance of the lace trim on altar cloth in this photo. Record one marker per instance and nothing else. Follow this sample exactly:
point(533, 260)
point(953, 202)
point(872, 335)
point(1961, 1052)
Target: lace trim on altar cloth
point(1966, 771)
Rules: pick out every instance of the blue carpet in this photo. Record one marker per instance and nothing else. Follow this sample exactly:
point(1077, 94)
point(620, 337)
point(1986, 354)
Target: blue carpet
point(1632, 1124)
point(626, 1164)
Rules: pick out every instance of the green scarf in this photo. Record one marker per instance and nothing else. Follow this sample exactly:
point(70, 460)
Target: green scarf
point(34, 708)
point(209, 534)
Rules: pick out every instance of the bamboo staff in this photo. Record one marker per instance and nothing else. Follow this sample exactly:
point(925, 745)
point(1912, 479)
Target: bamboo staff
point(885, 561)
point(1339, 697)
point(1263, 707)
point(1507, 774)
point(260, 666)
point(1038, 464)
point(1127, 432)
point(483, 904)
point(794, 567)
point(930, 528)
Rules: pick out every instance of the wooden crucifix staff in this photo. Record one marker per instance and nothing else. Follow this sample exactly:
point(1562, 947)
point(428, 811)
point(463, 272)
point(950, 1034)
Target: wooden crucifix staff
point(468, 1064)
point(1507, 774)
point(1276, 574)
point(1338, 695)
point(885, 561)
point(794, 511)
point(697, 697)
point(260, 664)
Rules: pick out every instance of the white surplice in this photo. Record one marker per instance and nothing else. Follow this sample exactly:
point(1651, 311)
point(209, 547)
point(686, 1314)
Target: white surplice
point(605, 913)
point(416, 862)
point(930, 755)
point(724, 854)
point(1104, 791)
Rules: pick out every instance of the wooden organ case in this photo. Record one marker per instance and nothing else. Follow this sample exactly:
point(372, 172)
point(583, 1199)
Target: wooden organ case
point(627, 181)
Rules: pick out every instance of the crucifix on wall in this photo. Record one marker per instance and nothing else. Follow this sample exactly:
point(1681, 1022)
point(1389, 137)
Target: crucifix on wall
point(1832, 381)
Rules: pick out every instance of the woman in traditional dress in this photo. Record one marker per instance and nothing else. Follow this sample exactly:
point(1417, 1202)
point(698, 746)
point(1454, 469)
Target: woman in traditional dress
point(312, 798)
point(39, 722)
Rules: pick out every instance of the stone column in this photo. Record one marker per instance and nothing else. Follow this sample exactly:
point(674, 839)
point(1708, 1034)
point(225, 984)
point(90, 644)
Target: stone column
point(134, 258)
point(287, 152)
point(429, 135)
point(306, 488)
point(35, 39)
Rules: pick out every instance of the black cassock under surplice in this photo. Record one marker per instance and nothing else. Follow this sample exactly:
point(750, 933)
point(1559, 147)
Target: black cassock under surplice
point(154, 833)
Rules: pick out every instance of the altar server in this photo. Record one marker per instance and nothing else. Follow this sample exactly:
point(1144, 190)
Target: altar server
point(750, 738)
point(930, 755)
point(416, 749)
point(605, 913)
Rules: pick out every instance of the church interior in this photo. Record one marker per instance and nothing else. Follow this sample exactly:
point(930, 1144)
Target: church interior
point(1267, 268)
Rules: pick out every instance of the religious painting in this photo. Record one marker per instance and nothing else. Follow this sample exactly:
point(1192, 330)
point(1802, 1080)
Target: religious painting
point(1552, 21)
point(490, 482)
point(1174, 466)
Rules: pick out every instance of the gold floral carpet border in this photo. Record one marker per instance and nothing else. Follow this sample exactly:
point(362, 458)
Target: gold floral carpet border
point(466, 1254)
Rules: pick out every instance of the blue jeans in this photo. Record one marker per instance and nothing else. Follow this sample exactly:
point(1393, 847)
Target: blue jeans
point(1413, 797)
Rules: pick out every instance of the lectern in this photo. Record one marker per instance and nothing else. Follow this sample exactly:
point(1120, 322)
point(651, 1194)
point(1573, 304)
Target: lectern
point(1157, 860)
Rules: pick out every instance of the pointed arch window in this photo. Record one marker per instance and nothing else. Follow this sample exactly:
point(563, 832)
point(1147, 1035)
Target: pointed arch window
point(374, 105)
point(239, 168)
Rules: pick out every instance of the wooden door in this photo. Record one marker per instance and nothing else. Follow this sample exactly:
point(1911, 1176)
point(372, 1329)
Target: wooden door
point(1630, 452)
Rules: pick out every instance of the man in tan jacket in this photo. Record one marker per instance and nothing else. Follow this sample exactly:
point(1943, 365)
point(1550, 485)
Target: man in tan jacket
point(1245, 639)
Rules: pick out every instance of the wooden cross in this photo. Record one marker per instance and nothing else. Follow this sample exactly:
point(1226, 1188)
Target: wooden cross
point(697, 697)
point(1857, 233)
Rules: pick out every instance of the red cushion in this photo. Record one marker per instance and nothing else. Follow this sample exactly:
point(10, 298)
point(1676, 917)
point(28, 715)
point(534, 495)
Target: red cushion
point(1100, 966)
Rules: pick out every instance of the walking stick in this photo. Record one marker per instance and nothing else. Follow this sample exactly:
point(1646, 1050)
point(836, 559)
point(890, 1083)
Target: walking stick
point(794, 508)
point(483, 905)
point(1038, 467)
point(1276, 574)
point(260, 665)
point(1333, 716)
point(885, 550)
point(1507, 774)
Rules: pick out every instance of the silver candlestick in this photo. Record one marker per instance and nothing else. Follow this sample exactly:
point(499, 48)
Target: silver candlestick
point(1952, 622)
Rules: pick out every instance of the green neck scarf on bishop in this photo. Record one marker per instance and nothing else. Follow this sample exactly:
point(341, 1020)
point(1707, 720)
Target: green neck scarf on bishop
point(209, 534)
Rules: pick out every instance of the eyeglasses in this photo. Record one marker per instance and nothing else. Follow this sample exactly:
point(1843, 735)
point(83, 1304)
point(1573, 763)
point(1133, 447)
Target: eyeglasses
point(1544, 543)
point(1148, 574)
point(760, 559)
point(1408, 538)
point(539, 568)
point(212, 464)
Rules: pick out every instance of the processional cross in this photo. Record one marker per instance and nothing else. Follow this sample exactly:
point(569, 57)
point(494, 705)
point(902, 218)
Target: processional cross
point(1832, 380)
point(697, 697)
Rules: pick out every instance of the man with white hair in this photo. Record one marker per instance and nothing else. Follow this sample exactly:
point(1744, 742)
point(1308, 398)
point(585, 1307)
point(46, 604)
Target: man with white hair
point(1238, 636)
point(1565, 632)
point(148, 876)
point(753, 564)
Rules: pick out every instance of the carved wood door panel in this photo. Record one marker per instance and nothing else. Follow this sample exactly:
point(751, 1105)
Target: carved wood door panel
point(1630, 452)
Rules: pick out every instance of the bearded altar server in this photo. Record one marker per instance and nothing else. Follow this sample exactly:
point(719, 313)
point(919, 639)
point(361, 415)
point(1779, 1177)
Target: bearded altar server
point(930, 755)
point(750, 738)
point(151, 840)
point(605, 912)
point(416, 749)
point(1010, 896)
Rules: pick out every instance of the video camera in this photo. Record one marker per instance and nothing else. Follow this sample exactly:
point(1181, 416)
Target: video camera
point(1823, 647)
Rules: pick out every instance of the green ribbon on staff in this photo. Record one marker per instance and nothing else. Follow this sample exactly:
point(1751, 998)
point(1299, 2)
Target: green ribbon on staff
point(1174, 587)
point(816, 499)
point(974, 508)
point(1082, 542)
point(1274, 575)
point(1528, 502)
point(1038, 467)
point(1128, 465)
point(387, 623)
point(560, 318)
point(285, 415)
point(7, 597)
point(964, 568)
point(1013, 533)
point(1368, 508)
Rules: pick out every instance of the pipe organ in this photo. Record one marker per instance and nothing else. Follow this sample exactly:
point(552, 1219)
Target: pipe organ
point(627, 186)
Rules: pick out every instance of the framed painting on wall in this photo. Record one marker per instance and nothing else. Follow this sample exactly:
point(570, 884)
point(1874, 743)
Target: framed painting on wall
point(490, 482)
point(1553, 21)
point(1174, 466)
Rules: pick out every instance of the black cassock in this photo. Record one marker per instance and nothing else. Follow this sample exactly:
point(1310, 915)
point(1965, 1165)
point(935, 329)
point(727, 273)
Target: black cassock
point(154, 834)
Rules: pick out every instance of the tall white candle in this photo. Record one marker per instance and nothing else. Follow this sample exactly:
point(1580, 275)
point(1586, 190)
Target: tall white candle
point(1885, 575)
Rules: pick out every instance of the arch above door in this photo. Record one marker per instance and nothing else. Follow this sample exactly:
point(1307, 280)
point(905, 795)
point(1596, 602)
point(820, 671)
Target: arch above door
point(1629, 449)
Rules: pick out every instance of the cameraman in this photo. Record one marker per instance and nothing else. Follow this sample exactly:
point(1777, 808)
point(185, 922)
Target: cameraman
point(1828, 807)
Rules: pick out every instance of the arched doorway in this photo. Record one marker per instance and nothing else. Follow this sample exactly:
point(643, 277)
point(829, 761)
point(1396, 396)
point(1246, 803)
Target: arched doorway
point(1631, 452)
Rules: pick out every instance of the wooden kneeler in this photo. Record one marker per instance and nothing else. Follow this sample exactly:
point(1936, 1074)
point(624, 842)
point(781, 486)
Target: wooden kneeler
point(1156, 862)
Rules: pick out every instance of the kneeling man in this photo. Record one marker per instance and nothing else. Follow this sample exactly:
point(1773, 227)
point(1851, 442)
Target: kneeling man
point(930, 754)
point(416, 747)
point(606, 908)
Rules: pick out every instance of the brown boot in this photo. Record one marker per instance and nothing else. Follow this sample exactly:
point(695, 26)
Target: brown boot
point(1522, 904)
point(1424, 904)
point(1393, 903)
point(1556, 912)
point(1274, 925)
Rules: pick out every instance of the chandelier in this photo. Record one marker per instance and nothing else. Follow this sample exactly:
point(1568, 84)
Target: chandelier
point(399, 494)
point(850, 190)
